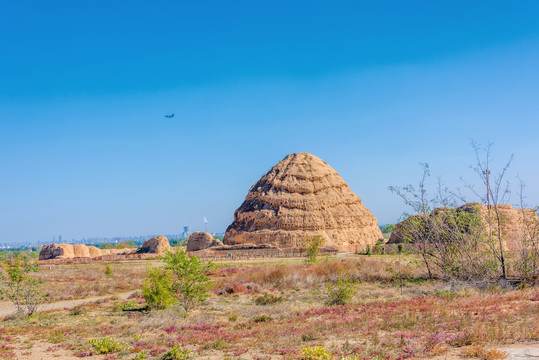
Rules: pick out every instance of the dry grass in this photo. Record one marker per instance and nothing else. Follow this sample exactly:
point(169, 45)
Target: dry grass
point(294, 276)
point(478, 351)
point(74, 281)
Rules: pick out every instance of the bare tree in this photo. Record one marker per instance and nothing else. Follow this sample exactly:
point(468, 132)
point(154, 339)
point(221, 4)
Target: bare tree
point(498, 192)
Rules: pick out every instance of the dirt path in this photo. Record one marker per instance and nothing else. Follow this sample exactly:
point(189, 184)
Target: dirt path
point(6, 308)
point(522, 352)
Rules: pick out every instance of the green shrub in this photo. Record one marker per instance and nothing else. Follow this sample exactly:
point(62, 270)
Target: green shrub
point(176, 353)
point(108, 270)
point(140, 356)
point(157, 288)
point(311, 246)
point(268, 298)
point(367, 251)
point(445, 293)
point(379, 248)
point(124, 306)
point(106, 345)
point(190, 282)
point(78, 310)
point(341, 291)
point(262, 318)
point(315, 353)
point(18, 287)
point(309, 336)
point(219, 345)
point(232, 317)
point(56, 337)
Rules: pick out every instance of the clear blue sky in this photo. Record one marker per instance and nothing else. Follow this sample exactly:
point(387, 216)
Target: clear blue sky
point(373, 88)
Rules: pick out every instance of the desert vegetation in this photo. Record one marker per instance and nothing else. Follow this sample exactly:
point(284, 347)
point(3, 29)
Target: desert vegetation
point(343, 307)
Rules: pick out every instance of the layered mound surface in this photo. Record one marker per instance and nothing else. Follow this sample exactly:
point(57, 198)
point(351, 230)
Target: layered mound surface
point(303, 196)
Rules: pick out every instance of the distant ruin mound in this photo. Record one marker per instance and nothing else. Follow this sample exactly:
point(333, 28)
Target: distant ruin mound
point(303, 196)
point(200, 240)
point(68, 251)
point(514, 223)
point(156, 245)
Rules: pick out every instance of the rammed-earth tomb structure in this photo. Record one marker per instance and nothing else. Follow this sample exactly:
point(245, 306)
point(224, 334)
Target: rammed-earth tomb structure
point(155, 245)
point(299, 197)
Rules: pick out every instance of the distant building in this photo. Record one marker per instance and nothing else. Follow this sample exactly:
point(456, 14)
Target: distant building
point(186, 232)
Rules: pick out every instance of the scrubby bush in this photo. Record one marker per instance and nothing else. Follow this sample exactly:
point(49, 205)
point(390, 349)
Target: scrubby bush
point(252, 287)
point(177, 353)
point(268, 298)
point(239, 287)
point(311, 246)
point(262, 318)
point(315, 353)
point(108, 270)
point(309, 336)
point(341, 291)
point(476, 351)
point(124, 305)
point(233, 317)
point(106, 345)
point(232, 288)
point(219, 344)
point(17, 286)
point(157, 288)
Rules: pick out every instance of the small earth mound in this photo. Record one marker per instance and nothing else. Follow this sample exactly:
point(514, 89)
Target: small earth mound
point(200, 240)
point(68, 251)
point(514, 223)
point(155, 245)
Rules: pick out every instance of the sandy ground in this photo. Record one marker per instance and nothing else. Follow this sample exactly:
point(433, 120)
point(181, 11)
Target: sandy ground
point(519, 352)
point(41, 350)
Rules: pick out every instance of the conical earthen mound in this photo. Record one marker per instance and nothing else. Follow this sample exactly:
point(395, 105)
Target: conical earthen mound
point(303, 196)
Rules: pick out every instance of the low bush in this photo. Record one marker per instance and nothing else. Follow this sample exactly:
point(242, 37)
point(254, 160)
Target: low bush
point(106, 345)
point(124, 305)
point(56, 337)
point(219, 345)
point(341, 291)
point(177, 353)
point(108, 270)
point(232, 288)
point(309, 336)
point(233, 317)
point(311, 246)
point(262, 318)
point(78, 310)
point(157, 288)
point(252, 287)
point(140, 356)
point(268, 298)
point(315, 353)
point(478, 351)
